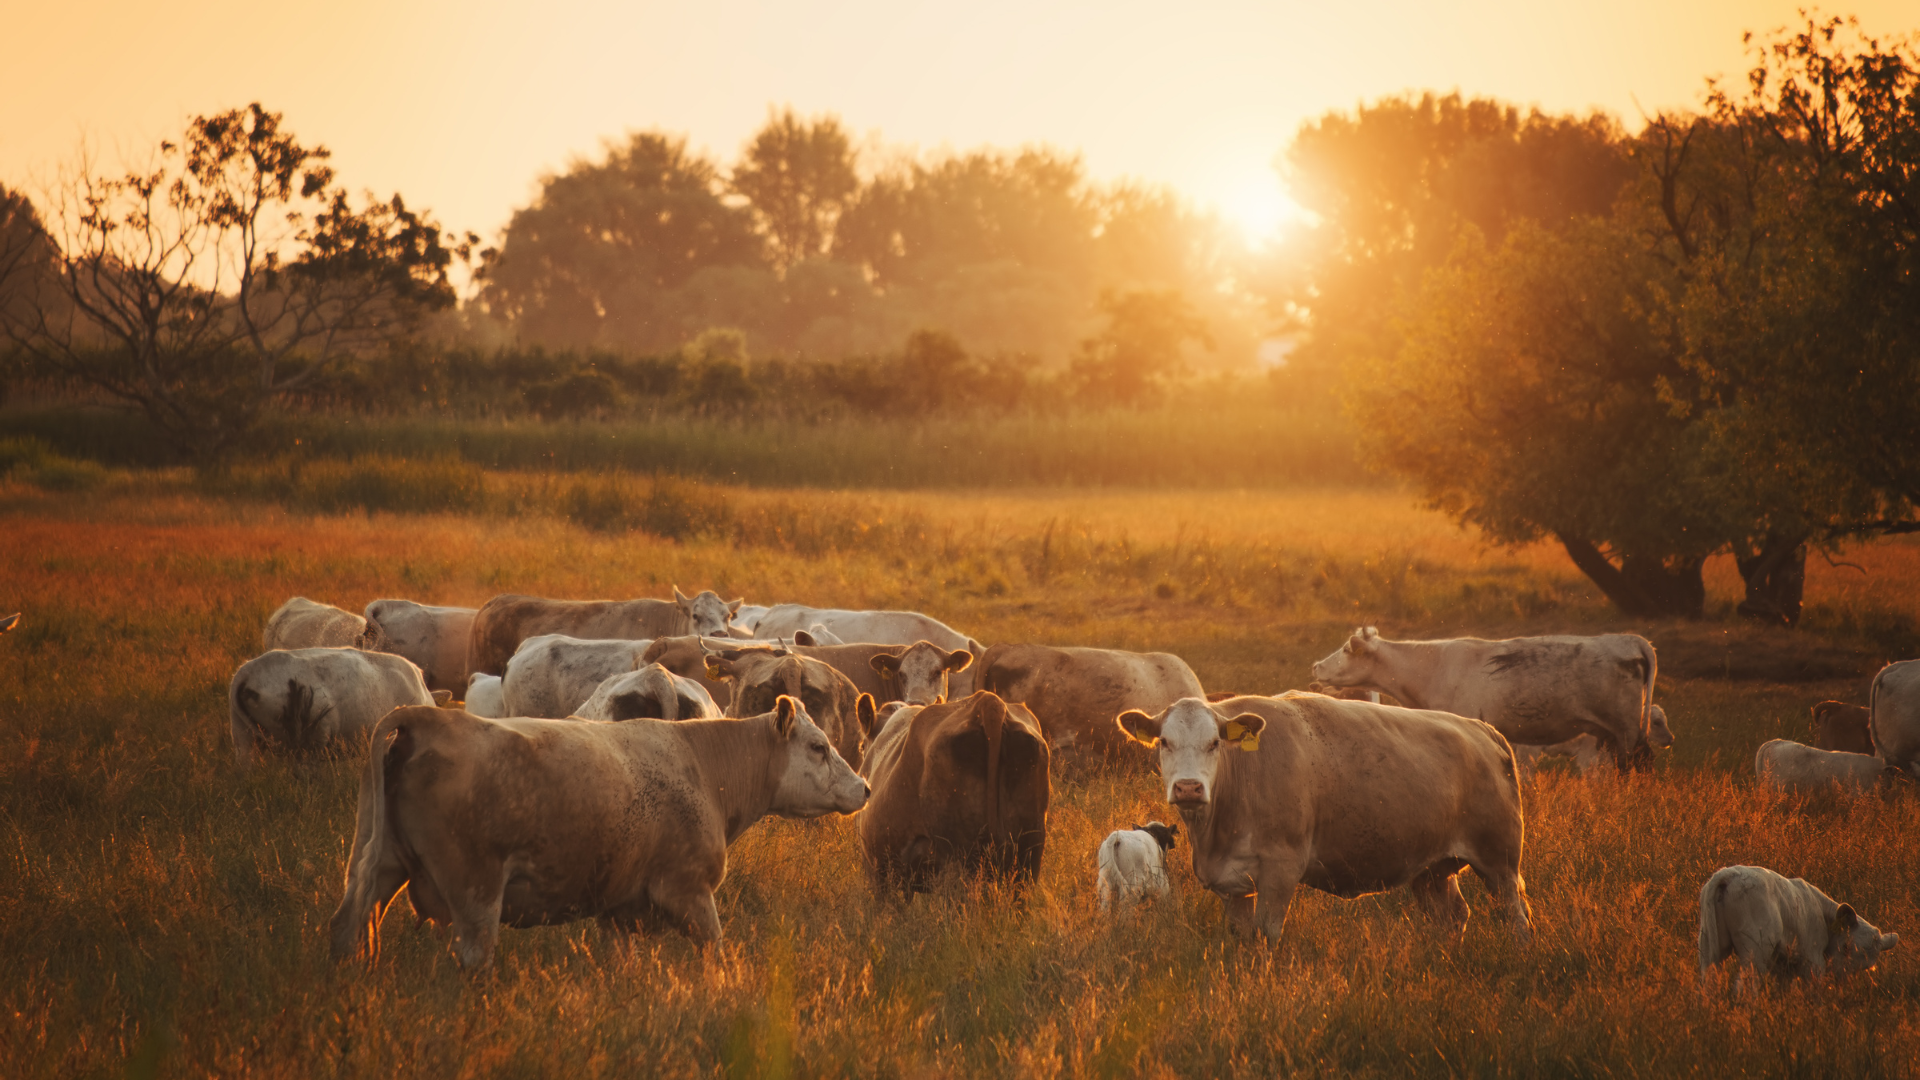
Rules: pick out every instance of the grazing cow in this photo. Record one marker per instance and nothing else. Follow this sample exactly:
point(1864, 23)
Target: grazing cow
point(1782, 926)
point(649, 693)
point(302, 700)
point(920, 674)
point(530, 822)
point(484, 698)
point(1798, 769)
point(505, 621)
point(1840, 726)
point(960, 784)
point(1076, 693)
point(870, 627)
point(1133, 863)
point(301, 623)
point(551, 675)
point(434, 638)
point(1585, 750)
point(1535, 690)
point(1347, 797)
point(761, 675)
point(1894, 713)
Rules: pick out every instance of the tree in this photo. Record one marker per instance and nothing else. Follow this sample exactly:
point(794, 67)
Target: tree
point(1141, 349)
point(229, 270)
point(600, 256)
point(797, 178)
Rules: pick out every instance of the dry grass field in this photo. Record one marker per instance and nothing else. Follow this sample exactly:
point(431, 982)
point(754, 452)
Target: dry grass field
point(161, 916)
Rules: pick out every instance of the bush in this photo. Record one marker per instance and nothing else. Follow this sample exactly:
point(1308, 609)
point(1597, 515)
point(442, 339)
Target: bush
point(667, 506)
point(395, 485)
point(33, 461)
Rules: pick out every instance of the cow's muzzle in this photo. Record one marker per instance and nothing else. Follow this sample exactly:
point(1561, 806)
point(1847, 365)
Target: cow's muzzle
point(1187, 793)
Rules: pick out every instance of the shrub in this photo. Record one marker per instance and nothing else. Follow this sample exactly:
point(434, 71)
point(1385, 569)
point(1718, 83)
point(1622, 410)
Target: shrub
point(392, 484)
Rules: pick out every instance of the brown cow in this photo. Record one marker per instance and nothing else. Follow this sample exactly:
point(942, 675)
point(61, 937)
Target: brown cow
point(959, 784)
point(1346, 797)
point(507, 620)
point(762, 675)
point(531, 822)
point(1843, 727)
point(1076, 693)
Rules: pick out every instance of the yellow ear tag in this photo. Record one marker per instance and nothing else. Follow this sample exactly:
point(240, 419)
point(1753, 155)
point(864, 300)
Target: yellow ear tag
point(1250, 743)
point(1237, 733)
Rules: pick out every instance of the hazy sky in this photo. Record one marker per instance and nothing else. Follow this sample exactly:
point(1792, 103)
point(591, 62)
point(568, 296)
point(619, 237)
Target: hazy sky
point(461, 106)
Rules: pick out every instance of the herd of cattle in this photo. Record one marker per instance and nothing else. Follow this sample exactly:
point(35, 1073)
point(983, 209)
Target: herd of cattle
point(605, 754)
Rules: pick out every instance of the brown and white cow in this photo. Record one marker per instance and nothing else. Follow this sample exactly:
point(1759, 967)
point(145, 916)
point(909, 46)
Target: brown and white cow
point(1782, 926)
point(1076, 693)
point(649, 693)
point(1894, 707)
point(505, 621)
point(1535, 690)
point(533, 822)
point(1346, 797)
point(1843, 727)
point(300, 701)
point(761, 675)
point(961, 784)
point(434, 638)
point(301, 623)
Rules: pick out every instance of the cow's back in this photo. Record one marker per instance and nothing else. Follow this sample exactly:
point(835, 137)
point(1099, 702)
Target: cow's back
point(1545, 689)
point(1895, 711)
point(507, 620)
point(436, 639)
point(1076, 693)
point(301, 623)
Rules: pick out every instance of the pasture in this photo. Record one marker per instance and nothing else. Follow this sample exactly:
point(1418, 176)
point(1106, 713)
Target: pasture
point(160, 916)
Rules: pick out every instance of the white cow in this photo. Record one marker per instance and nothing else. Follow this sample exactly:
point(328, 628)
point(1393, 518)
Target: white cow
point(1894, 714)
point(863, 627)
point(649, 693)
point(551, 675)
point(301, 623)
point(1585, 751)
point(301, 700)
point(1133, 863)
point(1784, 927)
point(484, 698)
point(1799, 769)
point(435, 638)
point(1534, 690)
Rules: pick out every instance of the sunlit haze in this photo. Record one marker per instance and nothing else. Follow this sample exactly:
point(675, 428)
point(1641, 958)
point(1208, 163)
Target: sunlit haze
point(462, 106)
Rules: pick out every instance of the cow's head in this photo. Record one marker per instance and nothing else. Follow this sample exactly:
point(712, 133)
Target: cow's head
point(1853, 943)
point(1659, 735)
point(760, 676)
point(1191, 737)
point(815, 780)
point(1164, 835)
point(1353, 663)
point(920, 671)
point(707, 613)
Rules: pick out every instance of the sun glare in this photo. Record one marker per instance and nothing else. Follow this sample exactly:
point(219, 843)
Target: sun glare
point(1258, 208)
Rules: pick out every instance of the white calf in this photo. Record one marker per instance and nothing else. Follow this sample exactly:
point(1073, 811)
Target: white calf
point(1133, 863)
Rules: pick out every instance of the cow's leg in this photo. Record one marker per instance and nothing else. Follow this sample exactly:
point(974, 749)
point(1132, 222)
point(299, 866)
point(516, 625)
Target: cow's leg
point(1510, 890)
point(476, 915)
point(690, 905)
point(1437, 888)
point(1240, 914)
point(1276, 883)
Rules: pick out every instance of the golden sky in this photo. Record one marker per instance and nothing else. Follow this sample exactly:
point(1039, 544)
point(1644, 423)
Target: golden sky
point(461, 106)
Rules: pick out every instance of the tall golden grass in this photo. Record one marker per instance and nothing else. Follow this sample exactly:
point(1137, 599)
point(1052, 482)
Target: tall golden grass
point(160, 915)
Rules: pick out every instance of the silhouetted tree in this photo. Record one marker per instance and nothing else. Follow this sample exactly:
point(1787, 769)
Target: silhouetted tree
point(229, 270)
point(797, 177)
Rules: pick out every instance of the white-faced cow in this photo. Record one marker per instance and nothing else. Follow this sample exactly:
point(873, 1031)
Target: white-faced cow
point(1783, 927)
point(484, 697)
point(552, 674)
point(1536, 690)
point(649, 693)
point(1798, 769)
point(304, 700)
point(1894, 707)
point(759, 675)
point(962, 784)
point(301, 623)
point(434, 638)
point(532, 822)
point(1077, 692)
point(1346, 797)
point(505, 621)
point(1840, 726)
point(1133, 864)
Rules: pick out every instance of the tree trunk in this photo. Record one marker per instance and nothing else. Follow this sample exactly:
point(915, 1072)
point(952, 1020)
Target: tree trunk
point(1643, 585)
point(1776, 578)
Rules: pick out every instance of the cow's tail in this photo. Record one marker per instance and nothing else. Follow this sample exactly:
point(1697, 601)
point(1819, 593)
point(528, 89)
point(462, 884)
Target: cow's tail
point(1714, 941)
point(302, 719)
point(992, 719)
point(1650, 673)
point(358, 917)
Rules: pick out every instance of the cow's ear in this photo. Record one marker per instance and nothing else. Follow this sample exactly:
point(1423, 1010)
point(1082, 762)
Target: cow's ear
point(784, 711)
point(802, 638)
point(885, 664)
point(1139, 727)
point(443, 698)
point(681, 598)
point(959, 660)
point(1844, 919)
point(1244, 729)
point(733, 606)
point(719, 667)
point(867, 713)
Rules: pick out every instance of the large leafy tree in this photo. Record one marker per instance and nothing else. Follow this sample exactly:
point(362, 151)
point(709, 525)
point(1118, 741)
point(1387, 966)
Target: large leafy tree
point(602, 254)
point(227, 271)
point(797, 177)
